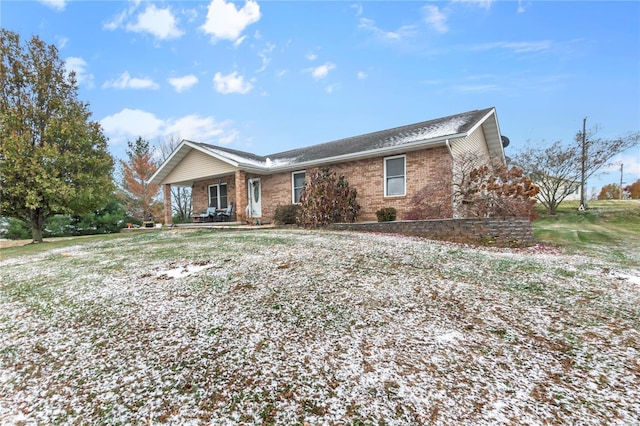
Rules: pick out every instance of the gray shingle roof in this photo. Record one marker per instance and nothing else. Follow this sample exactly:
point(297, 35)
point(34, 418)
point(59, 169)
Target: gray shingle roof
point(389, 138)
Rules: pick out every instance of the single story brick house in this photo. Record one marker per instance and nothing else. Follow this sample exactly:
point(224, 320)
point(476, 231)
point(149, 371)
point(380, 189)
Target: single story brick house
point(386, 167)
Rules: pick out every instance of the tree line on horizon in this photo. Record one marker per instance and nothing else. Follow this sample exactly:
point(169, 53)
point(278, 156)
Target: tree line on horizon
point(57, 176)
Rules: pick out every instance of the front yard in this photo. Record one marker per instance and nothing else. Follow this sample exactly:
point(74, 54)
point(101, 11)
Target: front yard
point(293, 327)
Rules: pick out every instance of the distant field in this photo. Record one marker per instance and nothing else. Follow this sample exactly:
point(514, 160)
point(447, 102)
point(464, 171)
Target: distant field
point(292, 327)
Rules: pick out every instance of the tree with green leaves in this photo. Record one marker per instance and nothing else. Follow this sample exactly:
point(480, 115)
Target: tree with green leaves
point(53, 158)
point(140, 195)
point(557, 168)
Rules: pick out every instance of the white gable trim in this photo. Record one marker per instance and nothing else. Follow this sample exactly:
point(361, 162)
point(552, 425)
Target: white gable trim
point(178, 155)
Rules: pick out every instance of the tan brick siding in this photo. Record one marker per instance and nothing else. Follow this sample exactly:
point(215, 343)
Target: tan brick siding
point(200, 192)
point(367, 176)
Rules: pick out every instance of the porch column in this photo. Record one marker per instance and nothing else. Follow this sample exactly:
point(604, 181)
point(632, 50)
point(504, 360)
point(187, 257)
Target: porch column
point(241, 196)
point(168, 218)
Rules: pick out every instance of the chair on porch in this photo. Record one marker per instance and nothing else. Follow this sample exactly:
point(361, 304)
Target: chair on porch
point(208, 215)
point(226, 215)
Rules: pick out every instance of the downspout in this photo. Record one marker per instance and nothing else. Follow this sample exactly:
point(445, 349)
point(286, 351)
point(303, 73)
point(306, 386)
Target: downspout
point(453, 203)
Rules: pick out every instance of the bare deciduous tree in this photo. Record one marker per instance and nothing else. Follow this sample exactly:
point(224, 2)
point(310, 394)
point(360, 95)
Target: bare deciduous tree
point(556, 168)
point(181, 201)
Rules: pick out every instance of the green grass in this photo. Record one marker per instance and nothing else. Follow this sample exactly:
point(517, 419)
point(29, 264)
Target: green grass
point(58, 243)
point(608, 228)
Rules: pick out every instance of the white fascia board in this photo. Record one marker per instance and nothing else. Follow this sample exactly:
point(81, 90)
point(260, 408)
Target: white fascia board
point(482, 120)
point(166, 162)
point(500, 148)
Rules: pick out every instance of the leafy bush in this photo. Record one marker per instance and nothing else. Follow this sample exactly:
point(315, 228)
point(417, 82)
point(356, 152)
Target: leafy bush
point(476, 191)
point(500, 192)
point(14, 229)
point(327, 199)
point(431, 202)
point(287, 214)
point(386, 214)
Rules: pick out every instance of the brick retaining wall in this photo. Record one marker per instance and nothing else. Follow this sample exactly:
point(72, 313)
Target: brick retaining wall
point(499, 232)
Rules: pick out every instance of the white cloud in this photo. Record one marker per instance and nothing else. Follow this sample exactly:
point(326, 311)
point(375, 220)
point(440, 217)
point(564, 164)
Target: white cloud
point(62, 41)
point(485, 4)
point(517, 47)
point(435, 19)
point(118, 20)
point(406, 31)
point(630, 161)
point(128, 124)
point(131, 123)
point(80, 67)
point(180, 84)
point(124, 81)
point(521, 6)
point(159, 22)
point(264, 55)
point(358, 8)
point(194, 127)
point(225, 21)
point(229, 137)
point(55, 4)
point(311, 56)
point(361, 75)
point(321, 71)
point(281, 73)
point(232, 83)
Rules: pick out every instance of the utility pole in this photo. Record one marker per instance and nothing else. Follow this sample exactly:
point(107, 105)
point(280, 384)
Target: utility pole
point(583, 198)
point(621, 165)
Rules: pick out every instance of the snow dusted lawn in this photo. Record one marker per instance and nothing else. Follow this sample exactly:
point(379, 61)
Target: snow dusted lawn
point(325, 328)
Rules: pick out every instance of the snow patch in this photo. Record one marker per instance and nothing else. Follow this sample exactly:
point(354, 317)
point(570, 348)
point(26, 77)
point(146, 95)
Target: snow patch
point(449, 337)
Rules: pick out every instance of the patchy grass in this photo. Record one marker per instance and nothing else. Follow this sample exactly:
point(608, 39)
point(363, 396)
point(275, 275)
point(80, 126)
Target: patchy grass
point(609, 229)
point(292, 326)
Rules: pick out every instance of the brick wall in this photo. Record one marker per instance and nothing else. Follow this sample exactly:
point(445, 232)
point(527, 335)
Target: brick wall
point(367, 176)
point(200, 192)
point(499, 232)
point(276, 191)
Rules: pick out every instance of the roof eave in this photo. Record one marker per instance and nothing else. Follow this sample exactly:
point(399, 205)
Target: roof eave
point(430, 143)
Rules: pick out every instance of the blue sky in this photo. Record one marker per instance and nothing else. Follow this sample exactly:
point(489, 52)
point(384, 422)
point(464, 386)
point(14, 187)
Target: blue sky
point(268, 76)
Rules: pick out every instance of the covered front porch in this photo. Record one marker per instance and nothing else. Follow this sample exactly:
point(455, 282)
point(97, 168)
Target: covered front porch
point(216, 195)
point(227, 182)
point(230, 198)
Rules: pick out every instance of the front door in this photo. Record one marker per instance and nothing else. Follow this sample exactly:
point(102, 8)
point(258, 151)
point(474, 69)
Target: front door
point(255, 198)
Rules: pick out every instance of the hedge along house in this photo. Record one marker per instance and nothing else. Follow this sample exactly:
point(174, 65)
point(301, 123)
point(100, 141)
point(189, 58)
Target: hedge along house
point(387, 167)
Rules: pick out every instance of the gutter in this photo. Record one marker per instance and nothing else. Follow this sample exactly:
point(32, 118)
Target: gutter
point(356, 156)
point(448, 144)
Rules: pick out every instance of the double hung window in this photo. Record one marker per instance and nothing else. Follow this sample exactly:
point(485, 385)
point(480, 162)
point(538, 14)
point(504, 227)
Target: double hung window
point(218, 196)
point(395, 176)
point(297, 183)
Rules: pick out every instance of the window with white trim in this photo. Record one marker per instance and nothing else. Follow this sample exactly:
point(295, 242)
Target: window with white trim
point(297, 183)
point(218, 196)
point(394, 176)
